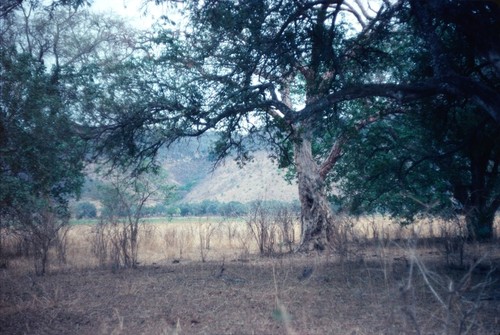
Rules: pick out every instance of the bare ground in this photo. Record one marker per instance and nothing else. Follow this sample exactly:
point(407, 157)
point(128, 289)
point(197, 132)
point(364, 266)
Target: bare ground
point(395, 292)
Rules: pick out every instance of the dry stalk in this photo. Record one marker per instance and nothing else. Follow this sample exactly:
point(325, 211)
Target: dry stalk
point(459, 313)
point(119, 328)
point(280, 312)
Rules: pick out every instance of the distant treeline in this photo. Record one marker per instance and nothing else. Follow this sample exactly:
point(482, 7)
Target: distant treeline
point(232, 208)
point(88, 210)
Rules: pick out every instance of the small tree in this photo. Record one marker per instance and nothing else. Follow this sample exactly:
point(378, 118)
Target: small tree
point(124, 199)
point(40, 223)
point(260, 224)
point(272, 226)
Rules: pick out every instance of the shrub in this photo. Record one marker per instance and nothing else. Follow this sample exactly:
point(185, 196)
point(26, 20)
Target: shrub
point(85, 210)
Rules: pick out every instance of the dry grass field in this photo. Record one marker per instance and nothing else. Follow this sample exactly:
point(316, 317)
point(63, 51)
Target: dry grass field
point(206, 276)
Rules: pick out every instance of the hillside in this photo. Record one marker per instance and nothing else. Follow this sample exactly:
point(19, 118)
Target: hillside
point(189, 167)
point(257, 180)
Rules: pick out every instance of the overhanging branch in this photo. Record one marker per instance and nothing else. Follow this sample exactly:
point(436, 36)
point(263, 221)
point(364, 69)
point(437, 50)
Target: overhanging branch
point(401, 93)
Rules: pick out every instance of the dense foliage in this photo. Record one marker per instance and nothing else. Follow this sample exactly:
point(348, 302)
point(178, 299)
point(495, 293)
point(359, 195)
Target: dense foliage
point(42, 150)
point(41, 156)
point(440, 156)
point(41, 159)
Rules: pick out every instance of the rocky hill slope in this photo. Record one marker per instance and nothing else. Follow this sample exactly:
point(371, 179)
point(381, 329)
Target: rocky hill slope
point(189, 167)
point(257, 180)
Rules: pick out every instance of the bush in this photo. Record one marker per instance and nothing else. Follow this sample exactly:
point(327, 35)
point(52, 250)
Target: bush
point(86, 210)
point(271, 224)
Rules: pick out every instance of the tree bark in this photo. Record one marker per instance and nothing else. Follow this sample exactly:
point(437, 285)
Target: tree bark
point(483, 201)
point(479, 196)
point(316, 215)
point(479, 222)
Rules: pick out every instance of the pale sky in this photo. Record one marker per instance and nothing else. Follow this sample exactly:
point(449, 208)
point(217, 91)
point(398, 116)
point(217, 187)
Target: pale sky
point(143, 13)
point(133, 11)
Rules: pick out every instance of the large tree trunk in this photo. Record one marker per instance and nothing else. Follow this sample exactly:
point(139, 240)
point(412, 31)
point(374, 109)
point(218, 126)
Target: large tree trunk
point(316, 214)
point(483, 202)
point(480, 198)
point(480, 223)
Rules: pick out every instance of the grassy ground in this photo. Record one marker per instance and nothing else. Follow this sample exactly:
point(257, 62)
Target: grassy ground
point(390, 281)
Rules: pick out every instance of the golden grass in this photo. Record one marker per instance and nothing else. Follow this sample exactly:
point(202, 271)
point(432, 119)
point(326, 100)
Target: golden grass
point(381, 227)
point(164, 241)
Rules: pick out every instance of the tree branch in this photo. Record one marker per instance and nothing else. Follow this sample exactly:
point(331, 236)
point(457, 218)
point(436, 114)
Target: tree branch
point(401, 93)
point(484, 96)
point(336, 150)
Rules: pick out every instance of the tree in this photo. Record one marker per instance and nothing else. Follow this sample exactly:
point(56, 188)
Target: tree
point(288, 72)
point(9, 6)
point(464, 52)
point(42, 156)
point(442, 154)
point(68, 37)
point(471, 25)
point(233, 70)
point(124, 199)
point(425, 165)
point(41, 159)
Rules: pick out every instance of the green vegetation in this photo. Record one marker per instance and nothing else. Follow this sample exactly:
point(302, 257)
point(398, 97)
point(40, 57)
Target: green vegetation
point(230, 209)
point(41, 161)
point(85, 210)
point(188, 212)
point(43, 149)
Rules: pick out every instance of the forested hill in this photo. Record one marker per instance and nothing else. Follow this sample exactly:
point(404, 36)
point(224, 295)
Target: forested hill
point(188, 166)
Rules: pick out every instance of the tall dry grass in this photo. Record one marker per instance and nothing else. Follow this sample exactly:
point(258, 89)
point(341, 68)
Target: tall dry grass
point(200, 239)
point(208, 239)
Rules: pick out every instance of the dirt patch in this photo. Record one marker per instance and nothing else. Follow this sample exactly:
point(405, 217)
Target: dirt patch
point(286, 295)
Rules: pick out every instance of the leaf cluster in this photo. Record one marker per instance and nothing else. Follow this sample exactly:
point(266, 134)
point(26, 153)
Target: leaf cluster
point(41, 158)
